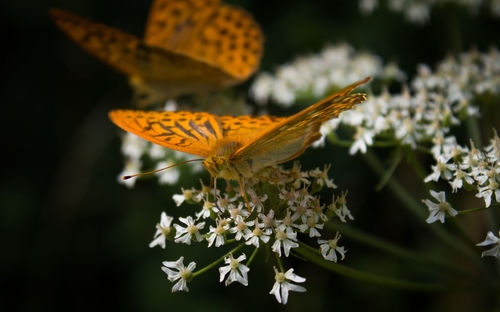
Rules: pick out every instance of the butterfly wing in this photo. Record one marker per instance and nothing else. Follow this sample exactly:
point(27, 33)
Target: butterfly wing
point(193, 133)
point(111, 45)
point(244, 129)
point(127, 53)
point(289, 138)
point(223, 36)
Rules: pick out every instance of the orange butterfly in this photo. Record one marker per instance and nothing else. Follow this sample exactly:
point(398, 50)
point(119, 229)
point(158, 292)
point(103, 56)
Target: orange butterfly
point(238, 147)
point(189, 46)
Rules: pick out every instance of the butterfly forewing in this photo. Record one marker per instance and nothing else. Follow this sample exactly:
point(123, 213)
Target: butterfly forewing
point(193, 133)
point(289, 138)
point(170, 23)
point(111, 45)
point(223, 36)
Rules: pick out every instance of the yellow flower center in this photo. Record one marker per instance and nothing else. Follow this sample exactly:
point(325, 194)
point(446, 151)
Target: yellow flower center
point(192, 229)
point(280, 235)
point(280, 277)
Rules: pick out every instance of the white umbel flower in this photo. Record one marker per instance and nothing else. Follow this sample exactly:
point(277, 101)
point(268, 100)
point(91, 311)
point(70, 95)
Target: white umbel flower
point(491, 239)
point(191, 231)
point(437, 211)
point(329, 248)
point(286, 238)
point(237, 271)
point(283, 285)
point(183, 274)
point(162, 230)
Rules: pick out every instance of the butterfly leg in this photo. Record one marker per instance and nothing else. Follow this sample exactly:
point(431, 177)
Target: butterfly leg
point(215, 194)
point(242, 190)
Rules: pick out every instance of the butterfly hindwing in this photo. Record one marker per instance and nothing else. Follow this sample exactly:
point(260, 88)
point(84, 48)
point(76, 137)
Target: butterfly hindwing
point(193, 133)
point(245, 129)
point(294, 134)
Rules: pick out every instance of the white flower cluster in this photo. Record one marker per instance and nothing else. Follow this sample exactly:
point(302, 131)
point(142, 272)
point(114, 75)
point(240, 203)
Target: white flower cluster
point(461, 166)
point(279, 211)
point(418, 11)
point(315, 75)
point(436, 101)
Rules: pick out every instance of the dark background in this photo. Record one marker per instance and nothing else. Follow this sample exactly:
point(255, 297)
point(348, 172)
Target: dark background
point(74, 239)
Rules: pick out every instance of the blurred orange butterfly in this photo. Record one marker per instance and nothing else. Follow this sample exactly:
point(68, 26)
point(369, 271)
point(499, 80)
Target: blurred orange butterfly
point(238, 147)
point(189, 46)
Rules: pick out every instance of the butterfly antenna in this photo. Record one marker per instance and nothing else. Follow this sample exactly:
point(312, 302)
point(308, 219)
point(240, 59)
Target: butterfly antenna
point(161, 169)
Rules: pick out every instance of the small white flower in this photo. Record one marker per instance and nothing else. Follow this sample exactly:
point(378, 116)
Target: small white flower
point(330, 247)
point(286, 238)
point(191, 231)
point(437, 211)
point(311, 224)
point(216, 234)
point(187, 195)
point(460, 176)
point(283, 285)
point(322, 177)
point(362, 138)
point(241, 227)
point(133, 146)
point(157, 152)
point(441, 169)
point(182, 274)
point(237, 271)
point(258, 234)
point(339, 206)
point(170, 105)
point(162, 230)
point(267, 220)
point(491, 239)
point(487, 191)
point(205, 212)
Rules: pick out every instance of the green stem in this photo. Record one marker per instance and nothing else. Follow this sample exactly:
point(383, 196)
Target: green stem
point(332, 137)
point(466, 211)
point(416, 208)
point(379, 244)
point(254, 253)
point(306, 252)
point(388, 174)
point(211, 265)
point(473, 130)
point(280, 265)
point(415, 163)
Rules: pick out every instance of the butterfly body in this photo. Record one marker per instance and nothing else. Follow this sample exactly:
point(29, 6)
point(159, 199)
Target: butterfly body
point(189, 46)
point(238, 147)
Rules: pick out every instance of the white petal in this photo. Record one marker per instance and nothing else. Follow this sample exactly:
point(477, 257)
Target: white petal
point(276, 291)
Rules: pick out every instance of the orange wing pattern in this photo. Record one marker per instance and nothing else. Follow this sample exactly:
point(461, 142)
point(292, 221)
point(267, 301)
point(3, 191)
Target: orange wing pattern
point(223, 36)
point(111, 45)
point(294, 134)
point(170, 23)
point(129, 55)
point(193, 133)
point(244, 129)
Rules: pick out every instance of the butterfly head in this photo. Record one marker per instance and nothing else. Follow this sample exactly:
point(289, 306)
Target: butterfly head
point(220, 167)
